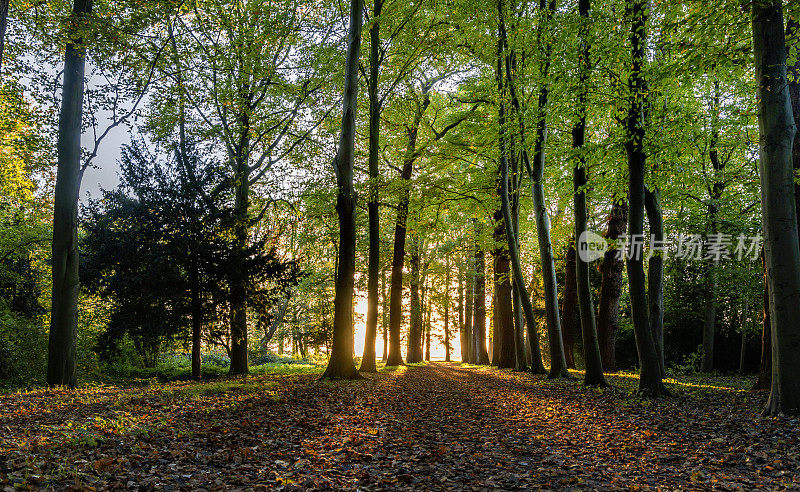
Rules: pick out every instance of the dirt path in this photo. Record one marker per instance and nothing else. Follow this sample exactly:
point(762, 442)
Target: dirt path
point(429, 427)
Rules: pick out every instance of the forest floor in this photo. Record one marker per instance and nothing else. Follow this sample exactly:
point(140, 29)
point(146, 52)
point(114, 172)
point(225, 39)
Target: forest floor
point(435, 426)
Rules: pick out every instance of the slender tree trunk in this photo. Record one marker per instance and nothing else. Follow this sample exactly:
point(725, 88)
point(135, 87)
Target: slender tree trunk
point(64, 316)
point(447, 310)
point(238, 272)
point(537, 367)
point(384, 317)
point(340, 365)
point(398, 255)
point(413, 350)
point(558, 363)
point(655, 276)
point(611, 287)
point(480, 355)
point(428, 327)
point(368, 359)
point(715, 193)
point(650, 381)
point(764, 381)
point(570, 321)
point(466, 338)
point(591, 349)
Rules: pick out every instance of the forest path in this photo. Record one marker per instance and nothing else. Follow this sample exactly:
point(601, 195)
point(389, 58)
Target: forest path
point(435, 426)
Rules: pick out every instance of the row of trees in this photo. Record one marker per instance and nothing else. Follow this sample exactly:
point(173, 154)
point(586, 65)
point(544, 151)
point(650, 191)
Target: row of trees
point(485, 123)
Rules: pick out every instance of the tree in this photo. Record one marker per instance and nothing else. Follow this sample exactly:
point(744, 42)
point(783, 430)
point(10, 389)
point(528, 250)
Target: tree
point(64, 318)
point(340, 364)
point(782, 250)
point(591, 348)
point(368, 360)
point(558, 363)
point(650, 380)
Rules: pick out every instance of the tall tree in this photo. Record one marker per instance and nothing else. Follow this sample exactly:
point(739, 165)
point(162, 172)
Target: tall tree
point(558, 363)
point(512, 236)
point(650, 380)
point(373, 266)
point(64, 318)
point(591, 348)
point(340, 365)
point(779, 216)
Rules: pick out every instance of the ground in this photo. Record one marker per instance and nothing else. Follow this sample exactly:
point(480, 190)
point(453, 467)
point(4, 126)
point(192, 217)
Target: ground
point(435, 426)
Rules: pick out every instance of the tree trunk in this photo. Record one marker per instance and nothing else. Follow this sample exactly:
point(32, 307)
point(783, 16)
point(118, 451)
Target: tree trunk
point(504, 352)
point(764, 381)
point(715, 193)
point(384, 320)
point(512, 236)
point(447, 310)
point(413, 350)
point(64, 317)
point(479, 355)
point(611, 287)
point(373, 267)
point(591, 349)
point(558, 363)
point(569, 307)
point(238, 273)
point(340, 365)
point(650, 381)
point(398, 255)
point(428, 327)
point(777, 130)
point(466, 337)
point(655, 276)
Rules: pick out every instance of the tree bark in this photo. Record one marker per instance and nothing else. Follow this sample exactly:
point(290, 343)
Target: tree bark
point(66, 282)
point(238, 272)
point(479, 354)
point(503, 348)
point(447, 310)
point(398, 255)
point(558, 363)
point(570, 322)
point(537, 367)
point(715, 194)
point(340, 365)
point(777, 130)
point(384, 319)
point(413, 349)
point(591, 349)
point(650, 381)
point(611, 287)
point(373, 267)
point(466, 337)
point(655, 275)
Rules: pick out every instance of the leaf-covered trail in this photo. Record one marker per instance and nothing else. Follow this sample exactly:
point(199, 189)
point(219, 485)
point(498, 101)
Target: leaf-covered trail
point(428, 427)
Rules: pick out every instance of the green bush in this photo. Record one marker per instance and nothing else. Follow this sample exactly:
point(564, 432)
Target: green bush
point(23, 352)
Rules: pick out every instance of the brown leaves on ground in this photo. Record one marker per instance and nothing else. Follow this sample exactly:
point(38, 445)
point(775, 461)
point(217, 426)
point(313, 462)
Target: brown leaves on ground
point(428, 427)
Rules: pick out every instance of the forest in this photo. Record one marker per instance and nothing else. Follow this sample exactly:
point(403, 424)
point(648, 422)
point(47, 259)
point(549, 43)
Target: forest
point(387, 244)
